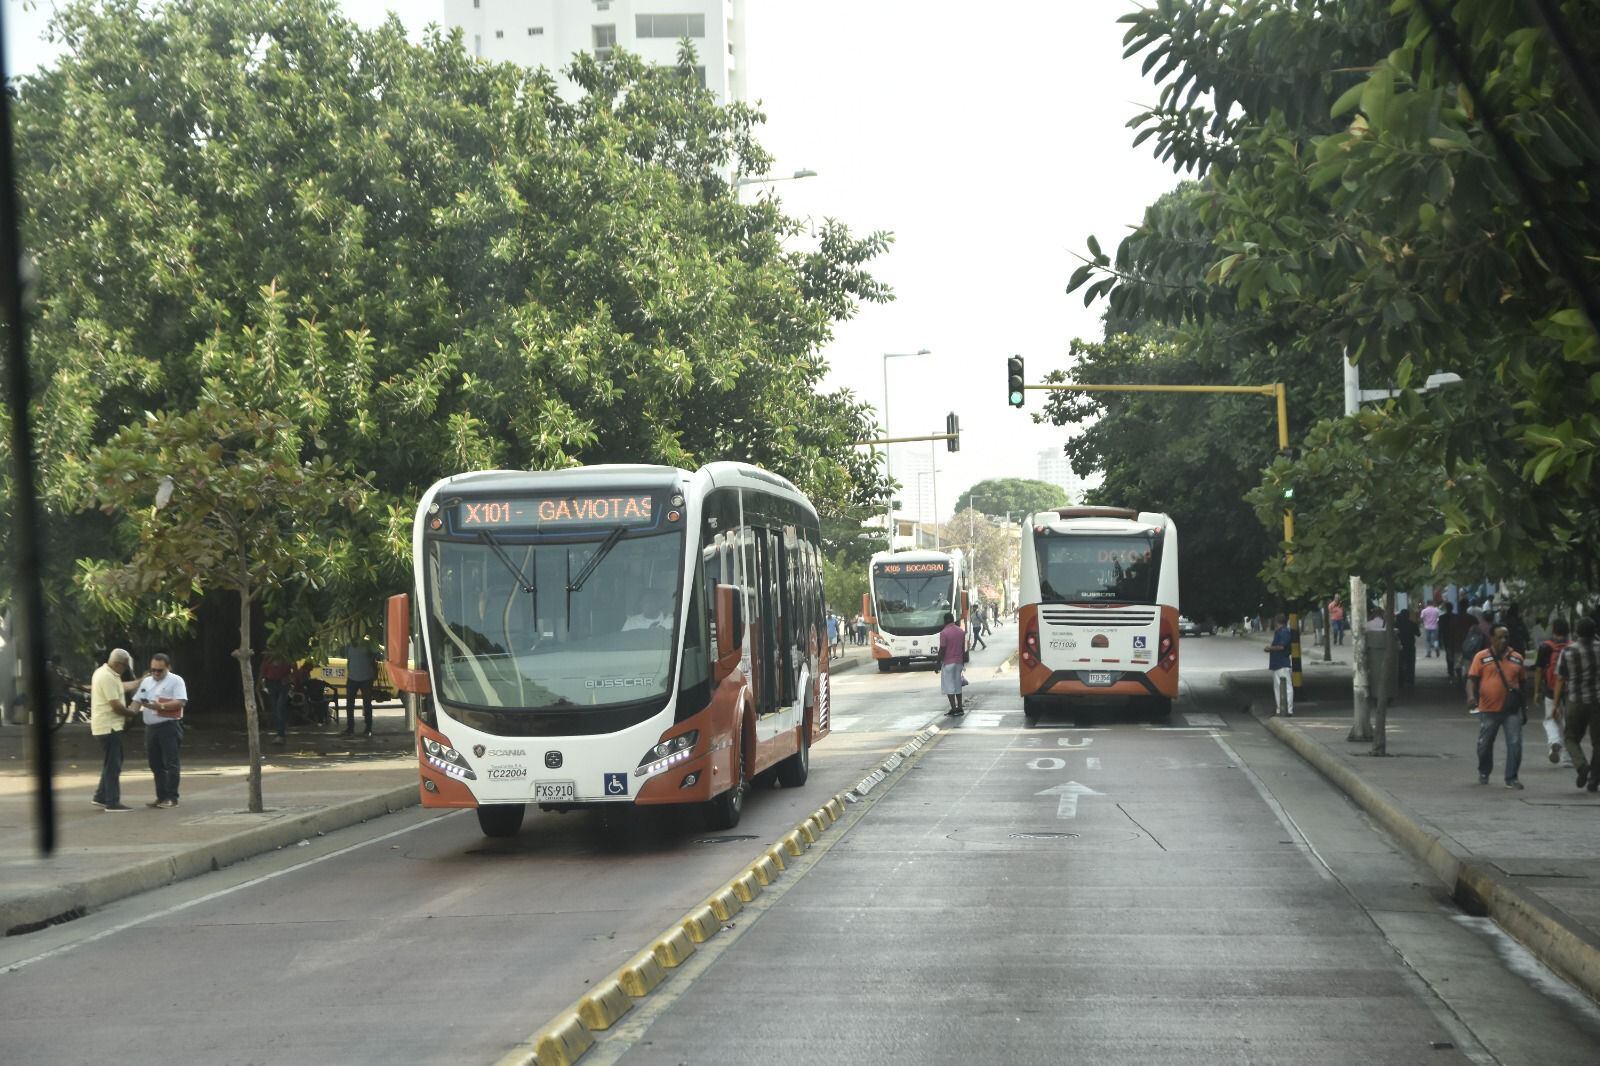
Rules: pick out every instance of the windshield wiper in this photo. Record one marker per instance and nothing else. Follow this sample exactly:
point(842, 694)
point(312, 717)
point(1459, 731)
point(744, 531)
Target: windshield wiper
point(594, 560)
point(523, 583)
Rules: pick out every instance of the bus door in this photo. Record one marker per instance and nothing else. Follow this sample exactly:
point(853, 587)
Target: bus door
point(766, 642)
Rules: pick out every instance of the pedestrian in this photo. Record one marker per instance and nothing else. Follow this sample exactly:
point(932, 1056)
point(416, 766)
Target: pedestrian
point(162, 696)
point(1281, 666)
point(1430, 630)
point(360, 671)
point(1512, 619)
point(1405, 630)
point(833, 633)
point(1546, 682)
point(952, 653)
point(1450, 634)
point(978, 630)
point(1495, 683)
point(108, 717)
point(1336, 618)
point(276, 674)
point(1578, 695)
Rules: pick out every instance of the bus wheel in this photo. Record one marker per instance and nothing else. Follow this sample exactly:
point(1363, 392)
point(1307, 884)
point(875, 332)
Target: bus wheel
point(723, 812)
point(1031, 707)
point(500, 819)
point(884, 666)
point(793, 771)
point(1161, 708)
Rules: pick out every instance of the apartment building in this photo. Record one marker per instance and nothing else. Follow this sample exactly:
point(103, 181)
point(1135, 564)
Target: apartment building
point(546, 33)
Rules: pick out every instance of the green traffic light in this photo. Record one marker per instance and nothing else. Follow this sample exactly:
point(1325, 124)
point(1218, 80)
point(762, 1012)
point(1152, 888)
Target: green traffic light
point(1288, 494)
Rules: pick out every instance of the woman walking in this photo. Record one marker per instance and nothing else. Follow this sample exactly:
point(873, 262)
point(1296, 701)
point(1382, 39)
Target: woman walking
point(952, 653)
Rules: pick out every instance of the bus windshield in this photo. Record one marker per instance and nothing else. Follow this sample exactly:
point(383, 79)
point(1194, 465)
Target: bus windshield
point(1075, 568)
point(912, 598)
point(567, 625)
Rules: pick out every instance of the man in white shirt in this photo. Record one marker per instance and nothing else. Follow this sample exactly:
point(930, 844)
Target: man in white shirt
point(162, 696)
point(651, 614)
point(108, 717)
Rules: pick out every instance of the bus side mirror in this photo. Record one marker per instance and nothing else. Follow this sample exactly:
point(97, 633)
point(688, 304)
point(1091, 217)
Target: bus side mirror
point(730, 630)
point(397, 647)
point(866, 609)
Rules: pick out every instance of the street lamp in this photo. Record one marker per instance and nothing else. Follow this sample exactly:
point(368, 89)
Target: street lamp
point(763, 179)
point(889, 528)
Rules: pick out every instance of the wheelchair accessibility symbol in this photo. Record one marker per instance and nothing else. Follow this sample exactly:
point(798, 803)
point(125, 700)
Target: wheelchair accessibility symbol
point(616, 784)
point(1141, 641)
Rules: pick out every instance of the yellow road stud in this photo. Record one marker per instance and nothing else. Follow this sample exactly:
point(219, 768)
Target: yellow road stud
point(775, 853)
point(725, 903)
point(765, 869)
point(746, 886)
point(701, 924)
point(673, 948)
point(807, 831)
point(640, 975)
point(795, 842)
point(823, 817)
point(835, 807)
point(605, 1005)
point(563, 1041)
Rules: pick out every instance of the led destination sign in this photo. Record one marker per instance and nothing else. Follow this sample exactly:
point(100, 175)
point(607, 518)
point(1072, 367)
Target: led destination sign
point(913, 568)
point(556, 511)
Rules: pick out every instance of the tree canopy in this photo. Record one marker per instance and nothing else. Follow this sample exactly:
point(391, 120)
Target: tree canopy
point(1417, 196)
point(1015, 496)
point(467, 270)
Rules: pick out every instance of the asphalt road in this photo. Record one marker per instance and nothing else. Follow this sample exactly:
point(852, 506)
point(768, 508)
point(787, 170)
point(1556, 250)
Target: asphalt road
point(1100, 890)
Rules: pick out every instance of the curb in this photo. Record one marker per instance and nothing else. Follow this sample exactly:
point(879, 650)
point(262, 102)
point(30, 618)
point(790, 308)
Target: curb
point(78, 897)
point(1477, 886)
point(565, 1038)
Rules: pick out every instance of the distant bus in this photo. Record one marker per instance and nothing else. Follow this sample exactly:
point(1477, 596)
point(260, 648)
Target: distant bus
point(908, 595)
point(1099, 609)
point(613, 635)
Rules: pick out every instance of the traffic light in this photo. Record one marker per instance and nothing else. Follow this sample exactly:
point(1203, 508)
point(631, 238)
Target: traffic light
point(952, 426)
point(1014, 381)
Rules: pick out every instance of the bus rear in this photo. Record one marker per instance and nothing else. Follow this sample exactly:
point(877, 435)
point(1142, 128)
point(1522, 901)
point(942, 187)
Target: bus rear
point(1099, 609)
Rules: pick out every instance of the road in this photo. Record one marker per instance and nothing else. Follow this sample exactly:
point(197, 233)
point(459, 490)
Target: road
point(1102, 888)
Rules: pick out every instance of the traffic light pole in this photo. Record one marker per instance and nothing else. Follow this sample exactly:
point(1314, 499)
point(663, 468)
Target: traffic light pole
point(906, 440)
point(1277, 392)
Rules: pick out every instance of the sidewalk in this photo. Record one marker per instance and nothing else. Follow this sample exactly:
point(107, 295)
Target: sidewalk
point(317, 782)
point(1528, 859)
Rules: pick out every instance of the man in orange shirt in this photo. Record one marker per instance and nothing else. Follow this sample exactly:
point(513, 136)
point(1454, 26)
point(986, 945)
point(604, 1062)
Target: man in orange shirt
point(1495, 683)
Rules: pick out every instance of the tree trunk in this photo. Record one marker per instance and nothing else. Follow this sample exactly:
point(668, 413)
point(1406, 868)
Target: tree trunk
point(1391, 649)
point(251, 715)
point(1361, 719)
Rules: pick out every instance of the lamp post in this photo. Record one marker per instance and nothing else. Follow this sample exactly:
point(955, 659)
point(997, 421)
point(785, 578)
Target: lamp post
point(765, 179)
point(889, 526)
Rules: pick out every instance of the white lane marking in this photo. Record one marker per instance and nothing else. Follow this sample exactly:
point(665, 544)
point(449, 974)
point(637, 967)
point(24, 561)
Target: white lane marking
point(1209, 721)
point(1047, 762)
point(1092, 763)
point(910, 723)
point(1069, 742)
point(208, 897)
point(984, 720)
point(1304, 846)
point(1067, 797)
point(844, 723)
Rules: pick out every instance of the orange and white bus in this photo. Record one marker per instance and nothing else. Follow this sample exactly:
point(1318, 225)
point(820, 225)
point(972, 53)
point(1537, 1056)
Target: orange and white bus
point(1099, 608)
point(908, 593)
point(612, 635)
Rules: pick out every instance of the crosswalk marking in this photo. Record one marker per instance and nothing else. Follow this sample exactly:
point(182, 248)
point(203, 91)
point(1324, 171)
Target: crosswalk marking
point(1209, 721)
point(844, 723)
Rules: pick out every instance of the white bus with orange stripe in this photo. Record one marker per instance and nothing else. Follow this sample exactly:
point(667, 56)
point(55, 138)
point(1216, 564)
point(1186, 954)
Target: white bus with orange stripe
point(612, 635)
point(1099, 609)
point(908, 594)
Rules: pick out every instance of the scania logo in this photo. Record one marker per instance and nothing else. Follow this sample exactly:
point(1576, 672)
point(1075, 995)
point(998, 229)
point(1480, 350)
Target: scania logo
point(478, 750)
point(552, 760)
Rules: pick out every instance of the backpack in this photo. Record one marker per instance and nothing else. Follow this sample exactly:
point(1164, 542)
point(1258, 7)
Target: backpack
point(1553, 664)
point(1473, 644)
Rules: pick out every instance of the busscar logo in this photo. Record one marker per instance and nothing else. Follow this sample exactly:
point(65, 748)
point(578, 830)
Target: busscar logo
point(618, 682)
point(478, 750)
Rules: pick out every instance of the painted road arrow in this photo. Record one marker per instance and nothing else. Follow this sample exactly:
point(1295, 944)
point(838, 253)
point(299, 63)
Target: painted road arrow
point(1067, 797)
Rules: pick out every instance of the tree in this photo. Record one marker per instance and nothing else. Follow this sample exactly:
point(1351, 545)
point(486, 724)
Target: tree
point(246, 514)
point(497, 276)
point(847, 549)
point(1016, 496)
point(1358, 191)
point(994, 549)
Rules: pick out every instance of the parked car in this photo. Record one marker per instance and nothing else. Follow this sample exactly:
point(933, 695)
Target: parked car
point(1189, 628)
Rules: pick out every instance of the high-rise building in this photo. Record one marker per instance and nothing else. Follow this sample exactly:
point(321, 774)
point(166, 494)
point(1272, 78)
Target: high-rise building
point(546, 33)
point(1055, 468)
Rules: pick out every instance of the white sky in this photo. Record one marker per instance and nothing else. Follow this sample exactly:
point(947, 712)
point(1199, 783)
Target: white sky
point(990, 143)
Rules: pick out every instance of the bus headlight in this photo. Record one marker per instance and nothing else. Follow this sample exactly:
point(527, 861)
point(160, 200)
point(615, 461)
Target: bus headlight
point(447, 760)
point(669, 752)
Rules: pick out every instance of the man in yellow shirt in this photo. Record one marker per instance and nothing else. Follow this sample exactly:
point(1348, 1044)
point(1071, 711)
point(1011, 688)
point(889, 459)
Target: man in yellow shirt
point(108, 717)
